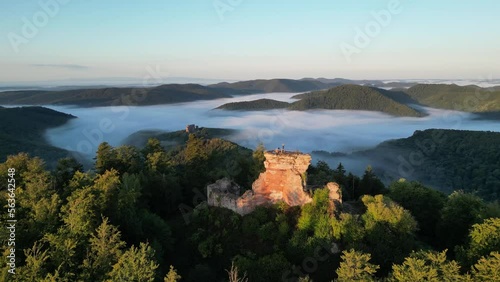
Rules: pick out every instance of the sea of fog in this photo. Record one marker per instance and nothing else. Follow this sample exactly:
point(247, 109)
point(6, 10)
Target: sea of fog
point(328, 130)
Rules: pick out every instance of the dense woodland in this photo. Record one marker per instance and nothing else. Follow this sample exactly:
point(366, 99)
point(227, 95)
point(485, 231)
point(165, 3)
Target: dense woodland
point(461, 98)
point(22, 130)
point(343, 97)
point(447, 160)
point(260, 104)
point(140, 215)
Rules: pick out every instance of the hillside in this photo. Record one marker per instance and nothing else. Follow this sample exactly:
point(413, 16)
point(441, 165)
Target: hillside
point(448, 159)
point(353, 97)
point(469, 98)
point(260, 104)
point(174, 138)
point(22, 129)
point(271, 85)
point(343, 97)
point(163, 94)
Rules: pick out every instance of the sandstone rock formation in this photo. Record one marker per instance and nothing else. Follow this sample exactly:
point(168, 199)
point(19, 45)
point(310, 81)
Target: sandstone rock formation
point(283, 180)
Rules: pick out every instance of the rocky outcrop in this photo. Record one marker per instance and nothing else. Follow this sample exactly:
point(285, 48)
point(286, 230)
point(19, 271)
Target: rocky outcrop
point(283, 180)
point(335, 195)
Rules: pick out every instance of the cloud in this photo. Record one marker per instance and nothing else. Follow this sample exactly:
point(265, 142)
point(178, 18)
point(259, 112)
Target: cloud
point(62, 66)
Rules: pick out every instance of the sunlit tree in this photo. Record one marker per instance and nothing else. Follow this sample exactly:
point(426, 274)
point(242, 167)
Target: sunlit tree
point(356, 266)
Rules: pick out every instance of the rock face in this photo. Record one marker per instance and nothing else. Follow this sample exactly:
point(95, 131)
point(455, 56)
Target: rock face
point(283, 180)
point(334, 194)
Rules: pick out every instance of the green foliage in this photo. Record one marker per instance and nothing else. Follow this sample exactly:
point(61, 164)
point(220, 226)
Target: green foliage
point(135, 264)
point(483, 239)
point(316, 216)
point(424, 204)
point(67, 236)
point(370, 184)
point(172, 275)
point(455, 97)
point(355, 266)
point(348, 228)
point(34, 270)
point(106, 247)
point(266, 268)
point(448, 160)
point(82, 211)
point(381, 209)
point(122, 159)
point(320, 174)
point(389, 231)
point(427, 266)
point(487, 268)
point(459, 213)
point(64, 172)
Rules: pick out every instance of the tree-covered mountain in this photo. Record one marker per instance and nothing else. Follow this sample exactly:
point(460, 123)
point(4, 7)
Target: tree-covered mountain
point(446, 159)
point(255, 105)
point(174, 138)
point(163, 94)
point(343, 97)
point(272, 85)
point(353, 97)
point(22, 130)
point(469, 98)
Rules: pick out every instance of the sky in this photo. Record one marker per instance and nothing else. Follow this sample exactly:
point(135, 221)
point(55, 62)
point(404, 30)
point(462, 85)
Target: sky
point(67, 40)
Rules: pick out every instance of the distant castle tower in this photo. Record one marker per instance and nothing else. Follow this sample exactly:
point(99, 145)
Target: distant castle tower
point(191, 128)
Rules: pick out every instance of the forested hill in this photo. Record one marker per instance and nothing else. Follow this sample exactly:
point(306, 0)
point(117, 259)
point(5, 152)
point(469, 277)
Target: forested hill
point(163, 94)
point(22, 129)
point(461, 98)
point(353, 97)
point(174, 138)
point(273, 85)
point(255, 105)
point(343, 97)
point(446, 159)
point(345, 94)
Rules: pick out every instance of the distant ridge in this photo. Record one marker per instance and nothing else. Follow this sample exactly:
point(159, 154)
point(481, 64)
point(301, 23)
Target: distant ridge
point(470, 98)
point(272, 85)
point(260, 104)
point(163, 94)
point(343, 97)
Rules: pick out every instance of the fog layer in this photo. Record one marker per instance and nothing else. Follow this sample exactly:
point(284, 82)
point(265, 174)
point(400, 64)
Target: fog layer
point(328, 130)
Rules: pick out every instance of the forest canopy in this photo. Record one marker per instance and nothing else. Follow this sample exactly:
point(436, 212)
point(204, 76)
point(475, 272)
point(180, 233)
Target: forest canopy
point(140, 215)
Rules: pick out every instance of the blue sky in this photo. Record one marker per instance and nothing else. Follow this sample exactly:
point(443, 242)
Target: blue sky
point(87, 39)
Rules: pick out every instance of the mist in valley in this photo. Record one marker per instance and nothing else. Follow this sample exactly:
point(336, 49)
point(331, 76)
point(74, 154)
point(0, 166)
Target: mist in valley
point(307, 131)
